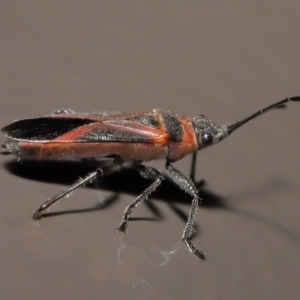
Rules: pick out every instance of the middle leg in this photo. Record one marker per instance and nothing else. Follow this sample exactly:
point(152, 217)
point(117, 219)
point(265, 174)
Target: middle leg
point(147, 173)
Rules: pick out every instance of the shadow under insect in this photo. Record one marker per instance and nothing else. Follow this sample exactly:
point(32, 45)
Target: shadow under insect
point(127, 180)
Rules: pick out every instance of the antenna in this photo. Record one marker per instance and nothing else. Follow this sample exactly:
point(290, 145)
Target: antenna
point(238, 124)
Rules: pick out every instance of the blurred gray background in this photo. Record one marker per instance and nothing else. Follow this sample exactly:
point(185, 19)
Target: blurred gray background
point(222, 59)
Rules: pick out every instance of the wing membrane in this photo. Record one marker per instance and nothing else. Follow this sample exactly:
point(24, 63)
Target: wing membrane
point(82, 128)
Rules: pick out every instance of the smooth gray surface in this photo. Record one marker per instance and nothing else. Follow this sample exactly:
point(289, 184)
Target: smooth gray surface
point(222, 59)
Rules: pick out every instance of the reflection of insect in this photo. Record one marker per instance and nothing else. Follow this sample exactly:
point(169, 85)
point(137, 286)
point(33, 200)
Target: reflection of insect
point(120, 136)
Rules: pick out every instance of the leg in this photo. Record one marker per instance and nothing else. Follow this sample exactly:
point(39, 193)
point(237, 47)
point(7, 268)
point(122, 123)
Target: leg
point(188, 186)
point(148, 173)
point(38, 214)
point(193, 166)
point(200, 183)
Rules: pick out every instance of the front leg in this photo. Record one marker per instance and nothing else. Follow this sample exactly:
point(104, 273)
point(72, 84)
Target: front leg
point(186, 184)
point(200, 183)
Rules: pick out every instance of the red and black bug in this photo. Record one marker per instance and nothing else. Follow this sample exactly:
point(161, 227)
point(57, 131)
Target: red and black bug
point(133, 137)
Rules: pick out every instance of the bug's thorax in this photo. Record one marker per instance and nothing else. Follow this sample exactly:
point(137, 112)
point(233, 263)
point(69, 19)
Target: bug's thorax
point(180, 135)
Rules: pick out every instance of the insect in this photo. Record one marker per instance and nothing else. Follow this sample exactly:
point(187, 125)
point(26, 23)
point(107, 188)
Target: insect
point(134, 137)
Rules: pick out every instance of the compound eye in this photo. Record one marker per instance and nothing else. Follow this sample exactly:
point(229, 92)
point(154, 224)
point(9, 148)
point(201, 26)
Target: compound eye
point(206, 138)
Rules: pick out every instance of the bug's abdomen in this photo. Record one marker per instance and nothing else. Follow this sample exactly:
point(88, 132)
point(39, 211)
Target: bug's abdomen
point(127, 151)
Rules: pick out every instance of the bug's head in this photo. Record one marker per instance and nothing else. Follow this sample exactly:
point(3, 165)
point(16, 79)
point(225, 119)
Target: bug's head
point(208, 133)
